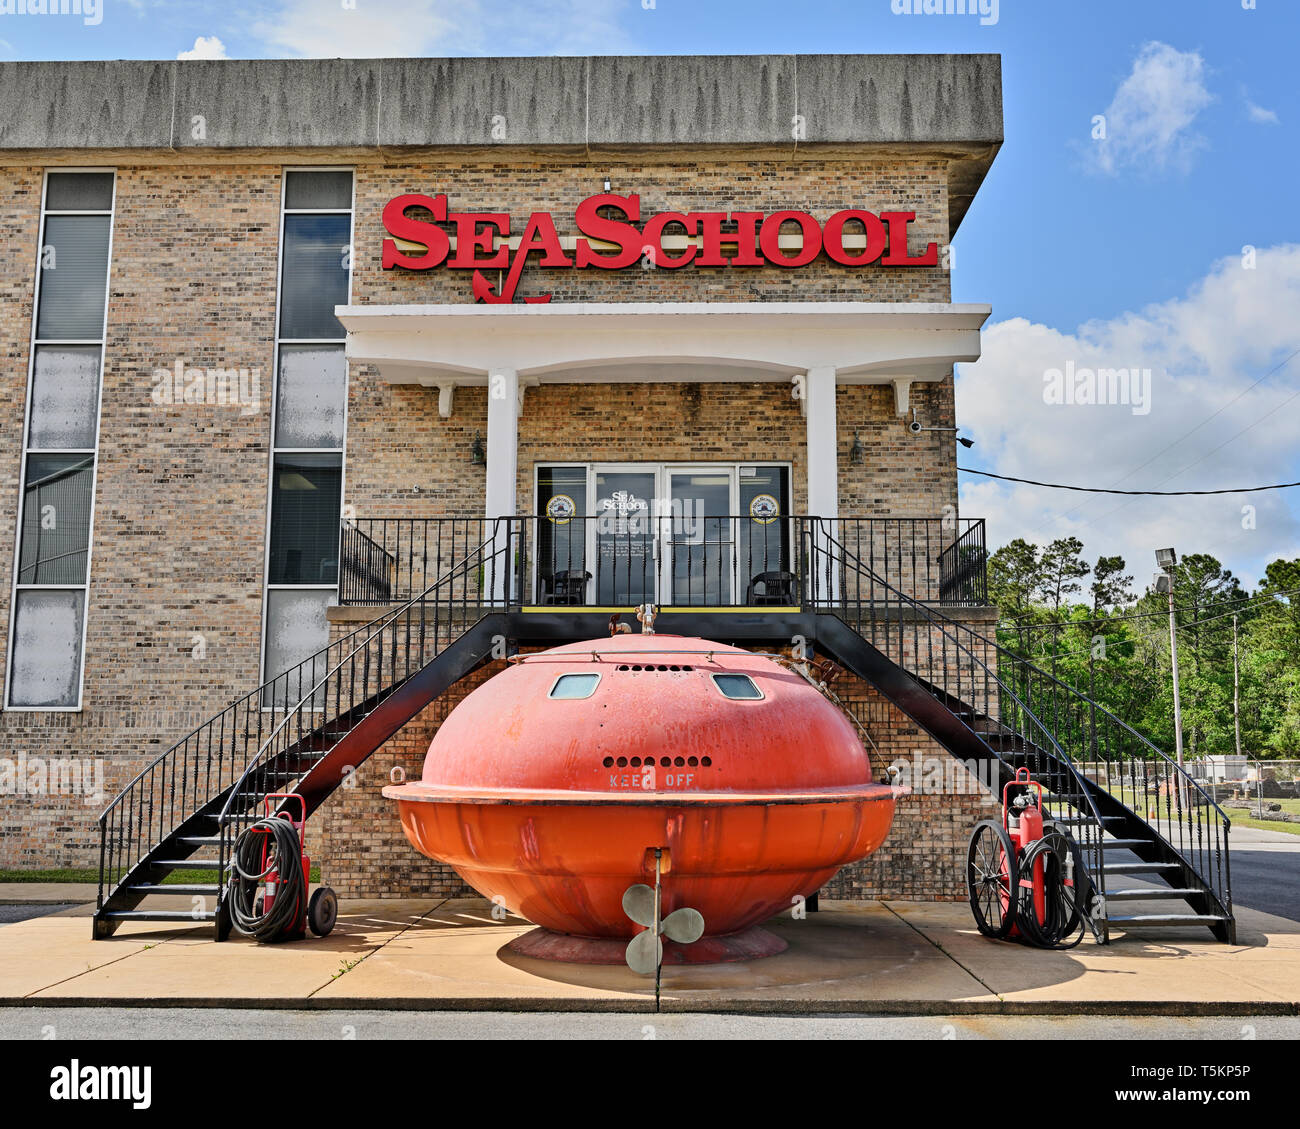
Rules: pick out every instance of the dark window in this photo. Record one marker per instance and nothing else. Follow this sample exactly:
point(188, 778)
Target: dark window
point(305, 498)
point(56, 519)
point(325, 189)
point(315, 275)
point(74, 275)
point(79, 192)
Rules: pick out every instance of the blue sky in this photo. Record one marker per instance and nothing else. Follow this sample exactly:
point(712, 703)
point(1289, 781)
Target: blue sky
point(1123, 251)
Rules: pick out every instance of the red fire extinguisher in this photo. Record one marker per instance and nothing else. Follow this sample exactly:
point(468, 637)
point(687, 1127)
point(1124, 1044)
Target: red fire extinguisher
point(1026, 879)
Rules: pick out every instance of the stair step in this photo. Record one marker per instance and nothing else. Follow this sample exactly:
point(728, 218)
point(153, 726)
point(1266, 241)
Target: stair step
point(1086, 819)
point(1138, 867)
point(200, 840)
point(174, 889)
point(1153, 892)
point(1169, 919)
point(1123, 844)
point(188, 864)
point(159, 915)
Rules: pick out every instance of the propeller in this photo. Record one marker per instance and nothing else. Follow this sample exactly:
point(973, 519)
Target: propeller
point(645, 952)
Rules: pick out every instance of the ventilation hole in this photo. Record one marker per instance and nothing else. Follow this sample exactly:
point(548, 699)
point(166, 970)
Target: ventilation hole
point(681, 762)
point(688, 668)
point(692, 761)
point(636, 762)
point(636, 668)
point(662, 667)
point(608, 762)
point(706, 761)
point(665, 762)
point(674, 668)
point(624, 667)
point(622, 762)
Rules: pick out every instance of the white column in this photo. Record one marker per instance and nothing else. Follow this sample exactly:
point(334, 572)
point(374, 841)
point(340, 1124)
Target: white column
point(823, 471)
point(823, 445)
point(502, 443)
point(502, 463)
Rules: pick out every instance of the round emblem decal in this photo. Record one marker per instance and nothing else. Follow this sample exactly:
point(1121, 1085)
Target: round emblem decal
point(764, 509)
point(561, 509)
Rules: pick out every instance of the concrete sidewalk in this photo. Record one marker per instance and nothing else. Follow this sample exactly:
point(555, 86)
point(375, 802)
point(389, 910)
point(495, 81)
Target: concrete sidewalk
point(904, 958)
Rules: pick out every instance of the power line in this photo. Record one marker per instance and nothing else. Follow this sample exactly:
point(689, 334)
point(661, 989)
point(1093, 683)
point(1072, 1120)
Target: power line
point(1155, 493)
point(1200, 425)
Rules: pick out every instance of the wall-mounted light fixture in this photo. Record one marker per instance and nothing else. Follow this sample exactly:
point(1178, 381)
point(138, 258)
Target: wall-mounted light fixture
point(607, 184)
point(858, 449)
point(477, 456)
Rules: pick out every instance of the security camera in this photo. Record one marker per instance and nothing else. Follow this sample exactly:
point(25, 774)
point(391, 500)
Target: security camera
point(915, 427)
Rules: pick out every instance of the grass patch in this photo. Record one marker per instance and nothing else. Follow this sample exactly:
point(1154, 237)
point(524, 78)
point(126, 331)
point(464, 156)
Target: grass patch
point(73, 874)
point(1243, 819)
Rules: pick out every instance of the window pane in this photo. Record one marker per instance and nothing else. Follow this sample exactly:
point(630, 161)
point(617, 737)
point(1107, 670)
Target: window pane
point(561, 534)
point(79, 192)
point(65, 397)
point(74, 272)
point(296, 628)
point(46, 667)
point(56, 519)
point(315, 275)
point(738, 686)
point(572, 686)
point(318, 190)
point(305, 499)
point(313, 390)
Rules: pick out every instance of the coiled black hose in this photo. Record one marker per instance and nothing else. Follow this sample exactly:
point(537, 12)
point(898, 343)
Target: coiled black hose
point(1065, 907)
point(284, 855)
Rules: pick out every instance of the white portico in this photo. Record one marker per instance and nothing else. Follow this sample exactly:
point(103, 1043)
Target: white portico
point(812, 346)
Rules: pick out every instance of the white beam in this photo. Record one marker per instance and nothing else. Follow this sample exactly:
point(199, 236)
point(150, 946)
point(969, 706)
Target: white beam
point(902, 392)
point(445, 393)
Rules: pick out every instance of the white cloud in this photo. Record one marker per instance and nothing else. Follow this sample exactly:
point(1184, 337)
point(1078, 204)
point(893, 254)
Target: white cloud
point(1149, 121)
point(1202, 349)
point(1259, 114)
point(373, 29)
point(205, 47)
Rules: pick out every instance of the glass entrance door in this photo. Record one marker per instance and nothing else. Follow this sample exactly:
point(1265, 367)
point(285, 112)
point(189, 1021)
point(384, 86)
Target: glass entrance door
point(700, 536)
point(625, 549)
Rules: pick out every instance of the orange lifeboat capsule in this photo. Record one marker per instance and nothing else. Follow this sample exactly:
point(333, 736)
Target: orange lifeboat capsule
point(550, 786)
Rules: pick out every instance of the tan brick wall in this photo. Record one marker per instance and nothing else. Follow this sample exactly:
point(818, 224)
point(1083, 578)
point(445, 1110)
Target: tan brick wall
point(180, 505)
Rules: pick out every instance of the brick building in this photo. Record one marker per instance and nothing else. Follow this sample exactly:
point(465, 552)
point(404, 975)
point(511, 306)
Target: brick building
point(277, 334)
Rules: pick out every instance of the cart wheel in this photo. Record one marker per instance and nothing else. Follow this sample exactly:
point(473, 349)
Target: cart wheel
point(990, 877)
point(322, 910)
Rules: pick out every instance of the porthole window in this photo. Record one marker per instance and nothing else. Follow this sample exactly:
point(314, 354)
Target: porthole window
point(739, 687)
point(573, 686)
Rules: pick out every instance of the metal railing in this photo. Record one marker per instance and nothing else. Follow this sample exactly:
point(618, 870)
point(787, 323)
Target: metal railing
point(218, 755)
point(678, 560)
point(1027, 716)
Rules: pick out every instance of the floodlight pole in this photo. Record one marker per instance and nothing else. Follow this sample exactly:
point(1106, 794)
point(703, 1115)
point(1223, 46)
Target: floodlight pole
point(1173, 651)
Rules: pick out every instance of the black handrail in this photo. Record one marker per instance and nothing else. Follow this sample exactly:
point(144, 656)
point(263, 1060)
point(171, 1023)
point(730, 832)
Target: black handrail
point(670, 558)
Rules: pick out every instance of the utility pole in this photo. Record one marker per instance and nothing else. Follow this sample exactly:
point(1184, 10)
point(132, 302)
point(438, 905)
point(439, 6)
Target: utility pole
point(1167, 559)
point(1236, 688)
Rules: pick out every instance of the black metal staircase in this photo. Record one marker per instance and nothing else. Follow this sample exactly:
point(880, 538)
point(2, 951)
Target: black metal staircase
point(1131, 808)
point(303, 731)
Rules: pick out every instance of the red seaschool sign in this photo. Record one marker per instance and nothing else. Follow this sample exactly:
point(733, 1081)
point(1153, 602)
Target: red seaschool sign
point(481, 240)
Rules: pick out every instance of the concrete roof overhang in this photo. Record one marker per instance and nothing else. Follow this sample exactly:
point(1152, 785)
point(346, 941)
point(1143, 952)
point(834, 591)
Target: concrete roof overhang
point(865, 342)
